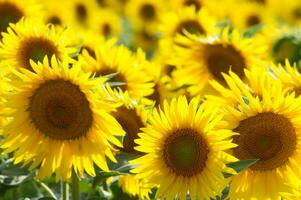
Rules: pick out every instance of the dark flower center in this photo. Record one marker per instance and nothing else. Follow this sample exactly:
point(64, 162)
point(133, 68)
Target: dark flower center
point(9, 13)
point(36, 49)
point(269, 137)
point(185, 152)
point(60, 110)
point(221, 58)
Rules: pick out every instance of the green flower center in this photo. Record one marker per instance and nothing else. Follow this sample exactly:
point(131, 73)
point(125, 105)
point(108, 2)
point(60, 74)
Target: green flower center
point(9, 13)
point(287, 48)
point(36, 49)
point(185, 152)
point(191, 26)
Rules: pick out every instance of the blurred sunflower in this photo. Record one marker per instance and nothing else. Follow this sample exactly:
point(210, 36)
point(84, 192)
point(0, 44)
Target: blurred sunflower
point(106, 23)
point(269, 130)
point(283, 43)
point(201, 59)
point(124, 69)
point(145, 14)
point(185, 148)
point(11, 11)
point(249, 14)
point(55, 14)
point(80, 12)
point(61, 109)
point(180, 4)
point(289, 11)
point(134, 187)
point(289, 76)
point(131, 117)
point(32, 40)
point(176, 22)
point(145, 40)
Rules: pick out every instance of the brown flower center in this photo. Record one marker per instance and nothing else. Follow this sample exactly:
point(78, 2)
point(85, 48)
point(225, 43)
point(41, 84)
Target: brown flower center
point(36, 49)
point(156, 96)
point(117, 79)
point(297, 91)
point(106, 30)
point(81, 12)
point(148, 12)
point(185, 152)
point(60, 110)
point(9, 13)
point(221, 58)
point(253, 20)
point(194, 3)
point(131, 124)
point(269, 137)
point(191, 26)
point(55, 20)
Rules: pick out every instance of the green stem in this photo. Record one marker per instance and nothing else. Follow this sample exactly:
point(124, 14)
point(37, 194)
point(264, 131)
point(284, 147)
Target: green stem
point(75, 186)
point(65, 190)
point(47, 189)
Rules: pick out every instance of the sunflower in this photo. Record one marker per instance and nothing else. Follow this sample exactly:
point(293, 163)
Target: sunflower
point(54, 14)
point(30, 40)
point(179, 4)
point(185, 146)
point(289, 76)
point(144, 14)
point(202, 59)
point(145, 40)
point(106, 23)
point(134, 187)
point(283, 43)
point(124, 69)
point(269, 130)
point(288, 11)
point(79, 12)
point(11, 11)
point(249, 14)
point(61, 109)
point(131, 116)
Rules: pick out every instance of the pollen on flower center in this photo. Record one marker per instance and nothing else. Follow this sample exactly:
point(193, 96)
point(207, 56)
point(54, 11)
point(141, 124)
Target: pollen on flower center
point(59, 110)
point(36, 49)
point(221, 58)
point(269, 137)
point(9, 13)
point(185, 152)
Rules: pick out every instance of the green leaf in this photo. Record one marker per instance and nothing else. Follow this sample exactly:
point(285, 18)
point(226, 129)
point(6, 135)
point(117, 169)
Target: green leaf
point(250, 32)
point(242, 164)
point(102, 176)
point(14, 180)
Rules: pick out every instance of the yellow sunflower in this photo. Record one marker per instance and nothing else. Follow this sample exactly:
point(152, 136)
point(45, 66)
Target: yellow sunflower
point(106, 23)
point(201, 59)
point(11, 11)
point(289, 76)
point(180, 4)
point(269, 130)
point(124, 69)
point(145, 40)
point(134, 187)
point(283, 43)
point(145, 14)
point(184, 145)
point(248, 14)
point(55, 14)
point(79, 13)
point(60, 120)
point(31, 40)
point(289, 11)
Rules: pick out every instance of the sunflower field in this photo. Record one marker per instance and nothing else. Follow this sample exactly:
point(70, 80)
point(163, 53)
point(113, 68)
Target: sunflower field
point(150, 100)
